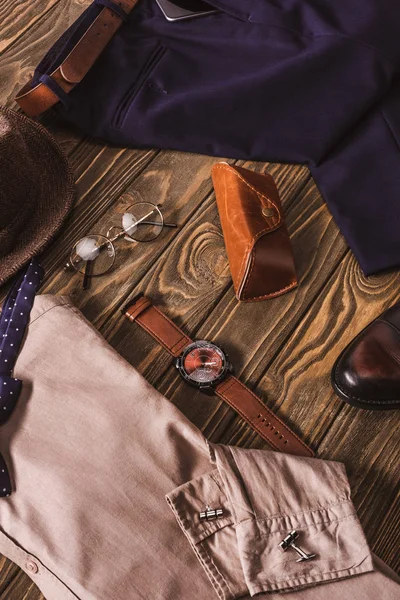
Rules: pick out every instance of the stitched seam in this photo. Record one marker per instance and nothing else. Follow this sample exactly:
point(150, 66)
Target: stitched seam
point(263, 434)
point(358, 398)
point(219, 578)
point(288, 287)
point(172, 323)
point(153, 333)
point(182, 343)
point(291, 433)
point(242, 265)
point(260, 233)
point(250, 270)
point(323, 522)
point(258, 193)
point(308, 577)
point(325, 507)
point(138, 308)
point(208, 532)
point(247, 498)
point(236, 282)
point(294, 283)
point(164, 344)
point(48, 310)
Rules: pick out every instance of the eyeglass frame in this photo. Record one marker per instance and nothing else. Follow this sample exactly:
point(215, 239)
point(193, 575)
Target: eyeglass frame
point(110, 241)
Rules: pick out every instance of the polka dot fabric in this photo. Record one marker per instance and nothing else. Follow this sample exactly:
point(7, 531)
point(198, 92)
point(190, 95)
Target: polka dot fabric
point(13, 322)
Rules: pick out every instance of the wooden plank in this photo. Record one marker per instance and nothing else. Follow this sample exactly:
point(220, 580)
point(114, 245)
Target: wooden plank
point(367, 442)
point(19, 61)
point(162, 182)
point(191, 280)
point(183, 196)
point(21, 587)
point(283, 348)
point(102, 173)
point(387, 546)
point(179, 182)
point(8, 570)
point(17, 17)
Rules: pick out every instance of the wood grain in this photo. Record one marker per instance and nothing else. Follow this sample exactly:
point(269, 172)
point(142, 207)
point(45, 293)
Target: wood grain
point(284, 348)
point(193, 285)
point(19, 61)
point(17, 17)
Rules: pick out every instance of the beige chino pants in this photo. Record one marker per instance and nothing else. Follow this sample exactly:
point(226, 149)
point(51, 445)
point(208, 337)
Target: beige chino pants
point(110, 479)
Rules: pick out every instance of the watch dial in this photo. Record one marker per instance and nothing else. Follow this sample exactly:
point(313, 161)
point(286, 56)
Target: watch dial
point(203, 362)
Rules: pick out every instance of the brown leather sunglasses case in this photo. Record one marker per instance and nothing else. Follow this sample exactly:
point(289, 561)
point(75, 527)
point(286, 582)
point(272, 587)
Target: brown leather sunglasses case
point(256, 238)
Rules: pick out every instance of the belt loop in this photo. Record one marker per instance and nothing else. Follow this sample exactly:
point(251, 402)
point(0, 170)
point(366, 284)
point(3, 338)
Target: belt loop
point(57, 90)
point(114, 6)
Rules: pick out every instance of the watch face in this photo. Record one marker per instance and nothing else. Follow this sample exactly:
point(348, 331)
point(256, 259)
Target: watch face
point(203, 364)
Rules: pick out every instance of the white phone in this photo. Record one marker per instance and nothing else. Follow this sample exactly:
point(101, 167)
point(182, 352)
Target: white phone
point(175, 10)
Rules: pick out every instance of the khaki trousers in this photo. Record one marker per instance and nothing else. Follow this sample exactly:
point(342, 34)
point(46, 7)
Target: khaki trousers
point(110, 478)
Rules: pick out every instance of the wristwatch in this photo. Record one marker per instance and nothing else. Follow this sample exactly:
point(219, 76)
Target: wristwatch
point(206, 366)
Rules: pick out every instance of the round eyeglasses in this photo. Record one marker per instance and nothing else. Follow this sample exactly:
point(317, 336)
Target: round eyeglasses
point(94, 254)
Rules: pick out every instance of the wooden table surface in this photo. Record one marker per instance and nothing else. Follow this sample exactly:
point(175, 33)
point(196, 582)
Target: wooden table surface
point(283, 348)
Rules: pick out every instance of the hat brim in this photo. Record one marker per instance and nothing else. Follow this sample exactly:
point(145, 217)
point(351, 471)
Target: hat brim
point(56, 194)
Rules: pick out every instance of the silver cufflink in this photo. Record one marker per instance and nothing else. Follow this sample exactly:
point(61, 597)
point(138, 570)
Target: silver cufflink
point(210, 514)
point(289, 542)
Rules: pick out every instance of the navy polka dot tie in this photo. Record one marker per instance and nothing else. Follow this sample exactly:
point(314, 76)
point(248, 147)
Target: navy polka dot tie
point(14, 319)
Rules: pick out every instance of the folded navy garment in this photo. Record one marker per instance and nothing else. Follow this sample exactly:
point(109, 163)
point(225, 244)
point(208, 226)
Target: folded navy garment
point(304, 81)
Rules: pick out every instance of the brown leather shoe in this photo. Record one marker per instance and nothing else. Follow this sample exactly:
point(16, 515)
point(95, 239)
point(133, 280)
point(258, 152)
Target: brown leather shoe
point(367, 372)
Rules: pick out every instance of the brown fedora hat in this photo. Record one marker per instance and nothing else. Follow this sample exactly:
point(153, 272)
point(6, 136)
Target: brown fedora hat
point(36, 190)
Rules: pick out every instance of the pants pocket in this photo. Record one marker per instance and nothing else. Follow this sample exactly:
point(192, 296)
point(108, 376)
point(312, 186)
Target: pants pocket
point(150, 64)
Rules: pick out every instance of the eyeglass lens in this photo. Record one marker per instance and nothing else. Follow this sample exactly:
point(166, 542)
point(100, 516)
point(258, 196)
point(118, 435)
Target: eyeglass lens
point(97, 250)
point(143, 222)
point(94, 254)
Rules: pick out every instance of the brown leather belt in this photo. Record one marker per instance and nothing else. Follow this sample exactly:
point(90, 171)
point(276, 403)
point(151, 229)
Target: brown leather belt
point(36, 100)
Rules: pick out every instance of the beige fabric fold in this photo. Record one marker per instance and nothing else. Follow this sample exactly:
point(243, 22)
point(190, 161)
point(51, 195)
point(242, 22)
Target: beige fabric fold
point(268, 495)
point(94, 451)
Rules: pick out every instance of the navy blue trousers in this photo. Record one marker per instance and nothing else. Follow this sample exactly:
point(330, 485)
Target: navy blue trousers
point(304, 81)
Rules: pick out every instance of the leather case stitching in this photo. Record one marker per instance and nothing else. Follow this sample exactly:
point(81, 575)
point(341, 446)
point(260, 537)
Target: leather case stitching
point(257, 192)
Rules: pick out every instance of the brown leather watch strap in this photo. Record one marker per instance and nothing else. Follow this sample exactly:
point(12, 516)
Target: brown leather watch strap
point(158, 325)
point(35, 100)
point(260, 417)
point(231, 390)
